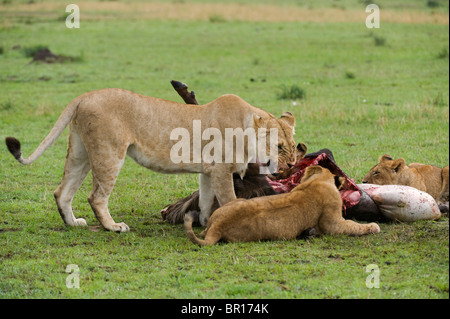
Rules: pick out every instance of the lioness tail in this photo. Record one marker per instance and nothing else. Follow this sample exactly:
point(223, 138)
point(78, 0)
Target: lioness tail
point(13, 144)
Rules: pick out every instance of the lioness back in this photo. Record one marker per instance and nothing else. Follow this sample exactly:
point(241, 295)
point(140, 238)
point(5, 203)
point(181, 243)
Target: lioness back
point(144, 124)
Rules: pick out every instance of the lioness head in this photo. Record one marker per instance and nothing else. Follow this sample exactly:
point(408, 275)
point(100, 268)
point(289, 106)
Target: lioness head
point(285, 149)
point(386, 172)
point(284, 173)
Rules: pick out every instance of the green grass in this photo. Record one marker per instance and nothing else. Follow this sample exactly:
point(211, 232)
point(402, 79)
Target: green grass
point(395, 101)
point(293, 92)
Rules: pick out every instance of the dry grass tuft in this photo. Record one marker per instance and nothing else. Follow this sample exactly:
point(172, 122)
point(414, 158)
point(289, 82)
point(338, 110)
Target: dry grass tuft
point(228, 11)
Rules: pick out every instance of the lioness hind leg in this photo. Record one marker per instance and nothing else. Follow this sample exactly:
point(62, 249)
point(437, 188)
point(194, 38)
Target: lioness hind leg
point(104, 172)
point(332, 222)
point(75, 170)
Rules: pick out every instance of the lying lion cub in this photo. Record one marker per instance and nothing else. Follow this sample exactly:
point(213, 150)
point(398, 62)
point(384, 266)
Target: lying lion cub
point(314, 203)
point(430, 179)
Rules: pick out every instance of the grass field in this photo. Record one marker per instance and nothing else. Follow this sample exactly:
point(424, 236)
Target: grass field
point(367, 92)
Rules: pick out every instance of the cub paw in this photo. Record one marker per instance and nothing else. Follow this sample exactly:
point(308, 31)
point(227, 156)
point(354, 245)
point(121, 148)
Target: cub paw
point(374, 228)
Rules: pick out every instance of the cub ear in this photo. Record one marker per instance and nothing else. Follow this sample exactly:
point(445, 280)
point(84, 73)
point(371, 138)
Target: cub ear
point(385, 157)
point(398, 165)
point(311, 171)
point(288, 118)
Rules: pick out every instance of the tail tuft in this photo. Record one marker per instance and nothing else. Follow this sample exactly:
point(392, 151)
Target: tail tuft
point(188, 219)
point(13, 145)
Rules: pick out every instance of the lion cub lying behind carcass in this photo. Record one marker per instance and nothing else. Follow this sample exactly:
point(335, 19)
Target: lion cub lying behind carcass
point(428, 178)
point(316, 203)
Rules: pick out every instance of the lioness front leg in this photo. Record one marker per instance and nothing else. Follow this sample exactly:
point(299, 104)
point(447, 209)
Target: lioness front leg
point(218, 183)
point(206, 198)
point(223, 185)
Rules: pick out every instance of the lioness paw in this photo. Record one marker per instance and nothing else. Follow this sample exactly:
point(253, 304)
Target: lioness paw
point(203, 219)
point(80, 222)
point(119, 227)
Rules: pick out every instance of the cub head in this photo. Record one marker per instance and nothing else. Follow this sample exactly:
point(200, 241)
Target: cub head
point(318, 172)
point(386, 172)
point(282, 149)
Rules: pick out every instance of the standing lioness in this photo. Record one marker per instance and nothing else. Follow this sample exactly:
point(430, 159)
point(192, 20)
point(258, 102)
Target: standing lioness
point(108, 124)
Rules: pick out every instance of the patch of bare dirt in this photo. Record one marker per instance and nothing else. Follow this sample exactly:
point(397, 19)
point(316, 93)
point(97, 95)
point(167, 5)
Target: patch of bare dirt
point(44, 55)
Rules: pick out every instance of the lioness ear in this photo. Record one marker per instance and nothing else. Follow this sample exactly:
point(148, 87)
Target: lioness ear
point(301, 151)
point(385, 157)
point(288, 118)
point(398, 165)
point(258, 121)
point(302, 148)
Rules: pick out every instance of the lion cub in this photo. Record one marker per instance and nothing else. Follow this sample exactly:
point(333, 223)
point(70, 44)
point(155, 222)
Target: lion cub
point(315, 203)
point(430, 179)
